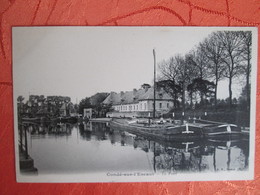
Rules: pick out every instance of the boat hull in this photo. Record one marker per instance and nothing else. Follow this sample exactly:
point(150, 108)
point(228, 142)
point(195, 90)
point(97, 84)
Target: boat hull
point(162, 133)
point(223, 132)
point(190, 131)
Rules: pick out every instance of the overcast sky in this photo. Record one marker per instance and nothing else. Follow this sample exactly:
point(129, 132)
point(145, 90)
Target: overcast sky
point(81, 61)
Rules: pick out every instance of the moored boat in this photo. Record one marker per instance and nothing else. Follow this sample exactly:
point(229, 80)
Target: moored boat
point(188, 131)
point(220, 130)
point(65, 119)
point(162, 131)
point(34, 120)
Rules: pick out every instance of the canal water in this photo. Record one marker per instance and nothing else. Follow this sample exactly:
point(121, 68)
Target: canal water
point(94, 147)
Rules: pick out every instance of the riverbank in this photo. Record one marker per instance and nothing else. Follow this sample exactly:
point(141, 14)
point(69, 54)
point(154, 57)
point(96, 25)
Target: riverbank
point(240, 118)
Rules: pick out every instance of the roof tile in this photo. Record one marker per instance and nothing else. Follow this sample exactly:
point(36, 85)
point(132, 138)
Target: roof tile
point(134, 96)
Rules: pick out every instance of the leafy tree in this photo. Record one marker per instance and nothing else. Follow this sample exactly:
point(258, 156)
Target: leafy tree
point(172, 88)
point(84, 103)
point(96, 102)
point(198, 63)
point(20, 104)
point(204, 87)
point(20, 99)
point(242, 100)
point(188, 72)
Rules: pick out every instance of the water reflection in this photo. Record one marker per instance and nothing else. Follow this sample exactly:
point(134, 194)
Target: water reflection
point(94, 147)
point(50, 129)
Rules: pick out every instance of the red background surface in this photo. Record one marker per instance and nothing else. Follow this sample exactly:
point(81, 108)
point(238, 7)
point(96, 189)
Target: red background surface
point(114, 12)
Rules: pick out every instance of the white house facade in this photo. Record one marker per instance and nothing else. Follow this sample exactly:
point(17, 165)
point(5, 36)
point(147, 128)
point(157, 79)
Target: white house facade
point(139, 102)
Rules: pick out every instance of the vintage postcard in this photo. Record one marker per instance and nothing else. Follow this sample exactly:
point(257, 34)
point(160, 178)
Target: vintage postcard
point(134, 104)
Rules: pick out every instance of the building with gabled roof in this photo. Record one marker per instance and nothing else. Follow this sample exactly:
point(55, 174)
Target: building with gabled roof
point(139, 102)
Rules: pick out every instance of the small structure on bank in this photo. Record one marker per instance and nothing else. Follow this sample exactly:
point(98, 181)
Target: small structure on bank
point(87, 113)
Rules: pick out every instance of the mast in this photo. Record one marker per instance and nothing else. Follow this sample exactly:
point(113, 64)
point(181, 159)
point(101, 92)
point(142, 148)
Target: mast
point(154, 76)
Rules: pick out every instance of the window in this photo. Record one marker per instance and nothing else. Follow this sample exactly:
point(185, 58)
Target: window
point(160, 105)
point(144, 106)
point(168, 105)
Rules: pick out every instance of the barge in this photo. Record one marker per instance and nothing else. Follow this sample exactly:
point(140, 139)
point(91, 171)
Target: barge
point(165, 132)
point(189, 131)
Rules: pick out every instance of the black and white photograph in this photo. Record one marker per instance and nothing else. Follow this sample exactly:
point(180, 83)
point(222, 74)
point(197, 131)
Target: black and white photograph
point(134, 104)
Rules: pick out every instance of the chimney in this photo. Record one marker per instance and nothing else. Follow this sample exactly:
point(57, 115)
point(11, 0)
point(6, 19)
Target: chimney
point(134, 94)
point(146, 88)
point(134, 91)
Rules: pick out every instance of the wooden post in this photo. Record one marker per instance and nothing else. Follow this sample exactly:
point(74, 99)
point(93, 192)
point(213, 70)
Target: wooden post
point(21, 138)
point(154, 83)
point(25, 143)
point(214, 159)
point(154, 168)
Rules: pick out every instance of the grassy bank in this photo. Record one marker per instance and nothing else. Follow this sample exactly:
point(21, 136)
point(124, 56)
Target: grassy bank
point(241, 118)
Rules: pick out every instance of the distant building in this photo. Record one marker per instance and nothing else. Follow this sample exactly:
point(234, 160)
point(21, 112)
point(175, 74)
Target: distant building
point(67, 109)
point(87, 113)
point(63, 110)
point(138, 102)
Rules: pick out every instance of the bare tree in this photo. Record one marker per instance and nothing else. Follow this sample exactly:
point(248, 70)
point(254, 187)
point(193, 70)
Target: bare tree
point(224, 54)
point(186, 73)
point(246, 55)
point(198, 62)
point(211, 48)
point(198, 58)
point(176, 74)
point(232, 45)
point(168, 78)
